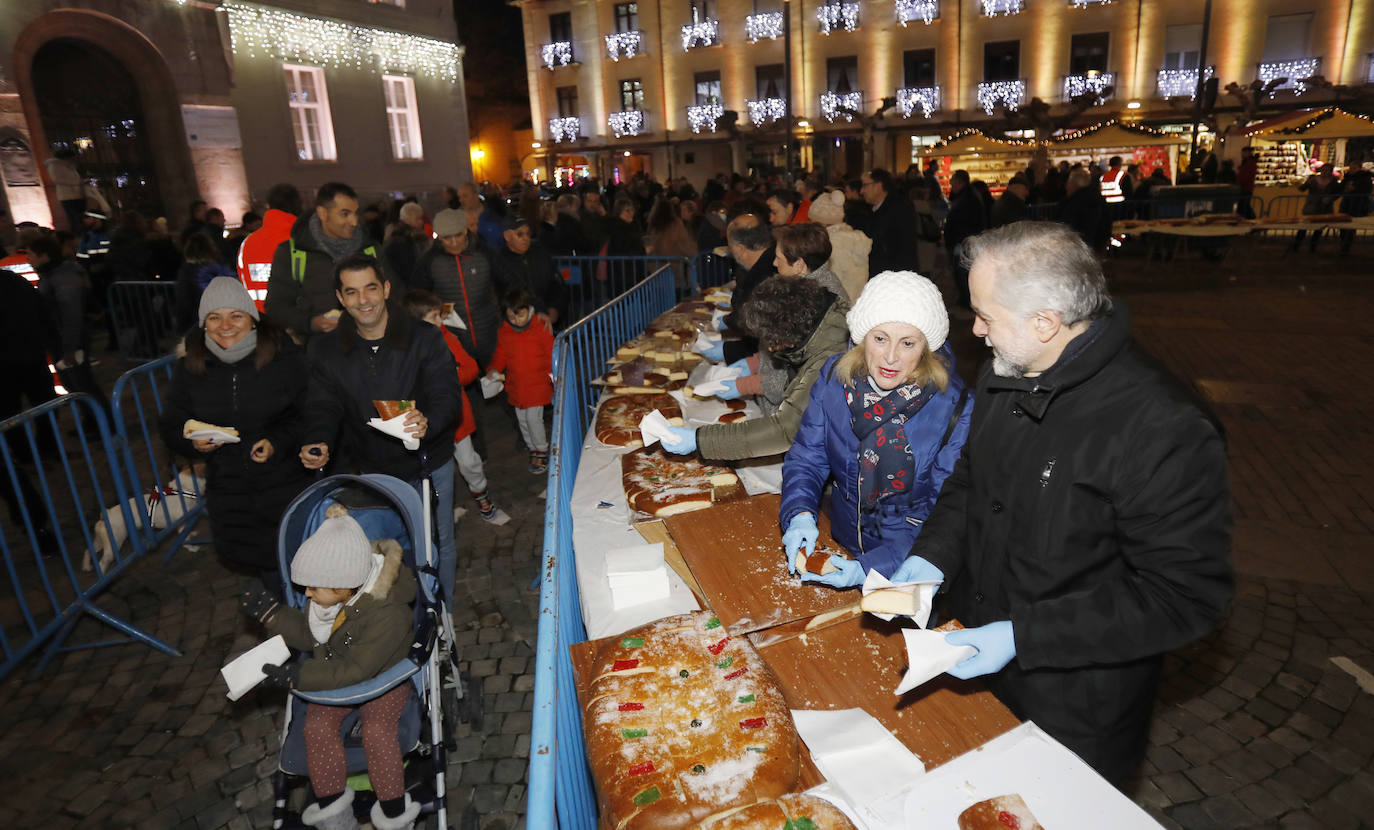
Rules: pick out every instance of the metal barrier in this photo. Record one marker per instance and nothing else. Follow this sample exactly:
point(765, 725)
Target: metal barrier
point(560, 788)
point(712, 270)
point(1285, 207)
point(171, 498)
point(73, 486)
point(144, 315)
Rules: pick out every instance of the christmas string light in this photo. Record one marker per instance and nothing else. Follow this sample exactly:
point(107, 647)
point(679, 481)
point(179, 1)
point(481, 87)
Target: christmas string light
point(1009, 93)
point(1137, 129)
point(839, 105)
point(1174, 83)
point(992, 8)
point(766, 110)
point(763, 26)
point(259, 31)
point(704, 116)
point(927, 98)
point(834, 15)
point(1083, 4)
point(1316, 118)
point(974, 132)
point(700, 33)
point(1297, 72)
point(624, 45)
point(923, 10)
point(626, 122)
point(556, 54)
point(565, 129)
point(1096, 83)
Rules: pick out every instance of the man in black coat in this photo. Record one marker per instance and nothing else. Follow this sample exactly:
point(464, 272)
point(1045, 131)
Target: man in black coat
point(753, 248)
point(525, 264)
point(892, 226)
point(1084, 210)
point(964, 220)
point(1086, 529)
point(1011, 205)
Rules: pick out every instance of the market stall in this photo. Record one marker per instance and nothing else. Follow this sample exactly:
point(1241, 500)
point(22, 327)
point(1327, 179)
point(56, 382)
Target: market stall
point(1150, 148)
point(1291, 147)
point(994, 160)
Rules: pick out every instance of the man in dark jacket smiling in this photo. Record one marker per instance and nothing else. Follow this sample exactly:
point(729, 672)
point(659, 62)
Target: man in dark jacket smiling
point(375, 354)
point(1086, 529)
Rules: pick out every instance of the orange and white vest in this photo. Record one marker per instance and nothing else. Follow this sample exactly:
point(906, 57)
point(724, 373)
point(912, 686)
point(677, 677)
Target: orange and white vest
point(1111, 185)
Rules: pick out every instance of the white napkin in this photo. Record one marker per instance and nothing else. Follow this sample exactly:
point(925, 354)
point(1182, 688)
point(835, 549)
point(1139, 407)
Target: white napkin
point(653, 428)
point(396, 428)
point(927, 655)
point(705, 340)
point(491, 386)
point(637, 574)
point(718, 318)
point(925, 591)
point(453, 321)
point(859, 756)
point(712, 381)
point(219, 436)
point(634, 559)
point(245, 671)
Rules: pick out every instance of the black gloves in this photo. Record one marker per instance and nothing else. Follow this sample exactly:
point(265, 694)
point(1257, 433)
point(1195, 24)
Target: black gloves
point(259, 604)
point(284, 676)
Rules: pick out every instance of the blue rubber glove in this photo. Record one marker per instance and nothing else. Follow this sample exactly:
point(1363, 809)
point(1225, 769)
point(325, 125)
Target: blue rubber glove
point(849, 575)
point(743, 365)
point(715, 352)
point(916, 569)
point(996, 646)
point(682, 442)
point(720, 324)
point(731, 390)
point(801, 535)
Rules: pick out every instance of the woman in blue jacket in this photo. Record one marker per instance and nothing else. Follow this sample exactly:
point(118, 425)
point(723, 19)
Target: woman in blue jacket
point(886, 421)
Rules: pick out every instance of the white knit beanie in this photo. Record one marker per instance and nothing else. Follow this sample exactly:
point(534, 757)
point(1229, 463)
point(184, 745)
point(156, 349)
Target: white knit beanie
point(900, 297)
point(226, 292)
point(827, 208)
point(337, 555)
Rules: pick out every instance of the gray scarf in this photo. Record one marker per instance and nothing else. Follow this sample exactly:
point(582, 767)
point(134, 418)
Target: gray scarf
point(336, 248)
point(236, 352)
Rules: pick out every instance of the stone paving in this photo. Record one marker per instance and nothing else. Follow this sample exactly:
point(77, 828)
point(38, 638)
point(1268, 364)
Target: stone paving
point(1263, 723)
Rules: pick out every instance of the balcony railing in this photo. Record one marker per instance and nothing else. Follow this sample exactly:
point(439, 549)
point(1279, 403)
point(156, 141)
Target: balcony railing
point(624, 44)
point(841, 105)
point(926, 99)
point(763, 26)
point(766, 110)
point(926, 11)
point(993, 8)
point(1175, 83)
point(565, 129)
point(1296, 71)
point(837, 16)
point(1010, 94)
point(702, 118)
point(700, 33)
point(1095, 83)
point(558, 53)
point(626, 122)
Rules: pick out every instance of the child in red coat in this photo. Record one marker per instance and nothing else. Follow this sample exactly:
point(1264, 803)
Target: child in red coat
point(524, 351)
point(429, 307)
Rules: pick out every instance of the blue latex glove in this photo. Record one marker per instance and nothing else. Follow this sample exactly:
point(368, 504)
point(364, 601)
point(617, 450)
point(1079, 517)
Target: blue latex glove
point(720, 324)
point(715, 352)
point(731, 390)
point(916, 569)
point(743, 365)
point(996, 646)
point(801, 535)
point(849, 575)
point(682, 442)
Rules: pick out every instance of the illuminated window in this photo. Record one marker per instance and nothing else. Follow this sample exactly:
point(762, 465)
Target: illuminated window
point(842, 74)
point(631, 94)
point(1002, 60)
point(310, 120)
point(403, 117)
point(768, 80)
point(1183, 46)
point(626, 17)
point(708, 87)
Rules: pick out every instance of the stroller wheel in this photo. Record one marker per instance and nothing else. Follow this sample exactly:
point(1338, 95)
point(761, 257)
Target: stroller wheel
point(469, 708)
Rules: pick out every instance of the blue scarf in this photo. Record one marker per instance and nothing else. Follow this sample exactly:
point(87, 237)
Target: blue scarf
point(886, 466)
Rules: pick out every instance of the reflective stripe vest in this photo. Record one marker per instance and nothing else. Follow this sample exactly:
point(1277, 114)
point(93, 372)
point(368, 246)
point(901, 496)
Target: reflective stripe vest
point(1111, 185)
point(254, 264)
point(19, 264)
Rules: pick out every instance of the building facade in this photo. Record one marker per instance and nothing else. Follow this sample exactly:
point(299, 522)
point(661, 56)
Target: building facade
point(168, 101)
point(695, 87)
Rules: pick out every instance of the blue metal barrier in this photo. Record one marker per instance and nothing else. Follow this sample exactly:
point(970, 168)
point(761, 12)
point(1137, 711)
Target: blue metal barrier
point(144, 315)
point(711, 270)
point(591, 281)
point(560, 787)
point(172, 497)
point(74, 484)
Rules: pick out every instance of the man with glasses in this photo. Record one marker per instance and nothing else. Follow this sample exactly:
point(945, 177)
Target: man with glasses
point(892, 226)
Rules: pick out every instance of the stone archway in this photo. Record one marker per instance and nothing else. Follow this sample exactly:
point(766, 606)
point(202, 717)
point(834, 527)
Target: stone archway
point(156, 88)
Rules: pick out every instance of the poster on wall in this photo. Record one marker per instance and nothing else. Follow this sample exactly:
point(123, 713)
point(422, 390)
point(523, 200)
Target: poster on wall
point(1150, 158)
point(16, 164)
point(208, 126)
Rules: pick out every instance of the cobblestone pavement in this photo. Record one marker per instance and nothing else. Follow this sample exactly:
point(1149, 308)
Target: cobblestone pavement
point(1263, 723)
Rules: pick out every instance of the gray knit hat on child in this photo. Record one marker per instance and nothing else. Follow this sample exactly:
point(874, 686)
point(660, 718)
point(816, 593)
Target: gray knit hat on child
point(337, 555)
point(226, 292)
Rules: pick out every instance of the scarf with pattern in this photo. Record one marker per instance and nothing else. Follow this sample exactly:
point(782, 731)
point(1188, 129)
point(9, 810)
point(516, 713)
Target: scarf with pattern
point(886, 466)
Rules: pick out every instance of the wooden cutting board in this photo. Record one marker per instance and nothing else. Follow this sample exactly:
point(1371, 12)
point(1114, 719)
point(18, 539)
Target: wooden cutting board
point(735, 553)
point(859, 661)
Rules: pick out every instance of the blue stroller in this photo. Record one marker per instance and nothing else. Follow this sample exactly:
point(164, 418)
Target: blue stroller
point(386, 508)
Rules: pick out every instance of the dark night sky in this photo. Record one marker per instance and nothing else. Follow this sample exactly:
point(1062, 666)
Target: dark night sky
point(495, 62)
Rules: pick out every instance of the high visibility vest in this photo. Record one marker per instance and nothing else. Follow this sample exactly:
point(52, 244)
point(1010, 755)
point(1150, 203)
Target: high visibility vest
point(19, 264)
point(1111, 185)
point(254, 263)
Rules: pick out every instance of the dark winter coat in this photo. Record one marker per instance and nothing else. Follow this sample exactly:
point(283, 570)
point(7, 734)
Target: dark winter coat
point(532, 271)
point(63, 286)
point(826, 449)
point(745, 283)
point(1090, 507)
point(892, 228)
point(411, 363)
point(965, 217)
point(1085, 211)
point(244, 498)
point(374, 636)
point(467, 282)
point(296, 294)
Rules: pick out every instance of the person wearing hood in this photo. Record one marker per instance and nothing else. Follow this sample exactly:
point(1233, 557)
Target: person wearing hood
point(300, 289)
point(886, 422)
point(799, 324)
point(357, 623)
point(240, 371)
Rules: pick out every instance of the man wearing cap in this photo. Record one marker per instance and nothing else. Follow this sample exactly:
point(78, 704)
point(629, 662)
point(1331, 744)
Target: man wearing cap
point(300, 290)
point(1085, 530)
point(525, 264)
point(460, 275)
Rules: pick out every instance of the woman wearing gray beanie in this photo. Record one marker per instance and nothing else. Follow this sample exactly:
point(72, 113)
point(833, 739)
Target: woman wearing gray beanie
point(886, 421)
point(239, 371)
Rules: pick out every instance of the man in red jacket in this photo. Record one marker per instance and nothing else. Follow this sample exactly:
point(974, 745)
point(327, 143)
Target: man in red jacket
point(255, 254)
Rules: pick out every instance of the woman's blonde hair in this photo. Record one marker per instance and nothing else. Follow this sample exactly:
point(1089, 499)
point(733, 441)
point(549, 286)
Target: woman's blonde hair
point(929, 369)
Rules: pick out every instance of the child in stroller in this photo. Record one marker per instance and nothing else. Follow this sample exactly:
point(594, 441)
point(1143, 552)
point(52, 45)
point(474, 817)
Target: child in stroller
point(357, 623)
